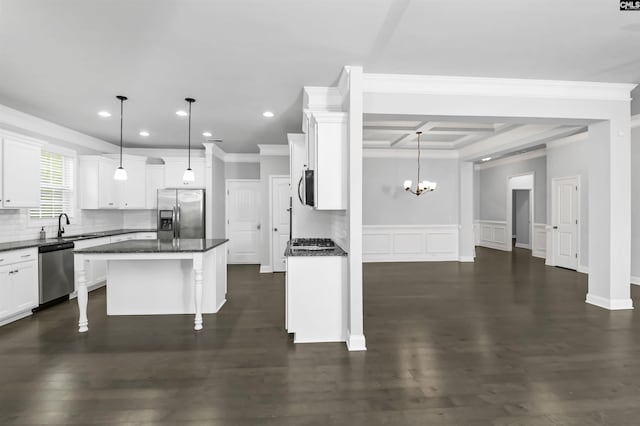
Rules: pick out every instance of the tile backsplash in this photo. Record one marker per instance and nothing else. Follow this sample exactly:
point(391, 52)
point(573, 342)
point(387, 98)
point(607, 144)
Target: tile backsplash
point(15, 225)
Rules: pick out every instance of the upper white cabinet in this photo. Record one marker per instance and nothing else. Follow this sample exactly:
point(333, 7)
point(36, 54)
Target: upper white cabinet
point(174, 168)
point(20, 177)
point(327, 156)
point(98, 189)
point(133, 191)
point(155, 181)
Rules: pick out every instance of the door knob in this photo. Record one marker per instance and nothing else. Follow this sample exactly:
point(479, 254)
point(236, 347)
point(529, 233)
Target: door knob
point(555, 227)
point(275, 229)
point(258, 227)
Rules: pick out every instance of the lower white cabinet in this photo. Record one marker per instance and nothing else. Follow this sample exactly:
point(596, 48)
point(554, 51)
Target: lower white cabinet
point(316, 298)
point(18, 284)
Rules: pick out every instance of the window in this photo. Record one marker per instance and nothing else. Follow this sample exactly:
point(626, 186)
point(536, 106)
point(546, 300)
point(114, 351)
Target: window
point(56, 186)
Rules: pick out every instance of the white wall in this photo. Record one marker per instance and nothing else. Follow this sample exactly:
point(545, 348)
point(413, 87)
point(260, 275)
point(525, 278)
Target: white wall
point(234, 170)
point(385, 202)
point(219, 198)
point(269, 165)
point(572, 160)
point(492, 189)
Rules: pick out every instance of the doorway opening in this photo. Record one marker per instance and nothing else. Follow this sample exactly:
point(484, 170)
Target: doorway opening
point(520, 210)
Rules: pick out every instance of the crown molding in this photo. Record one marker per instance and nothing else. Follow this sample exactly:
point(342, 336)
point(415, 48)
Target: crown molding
point(277, 150)
point(411, 153)
point(480, 86)
point(512, 159)
point(321, 98)
point(568, 140)
point(45, 131)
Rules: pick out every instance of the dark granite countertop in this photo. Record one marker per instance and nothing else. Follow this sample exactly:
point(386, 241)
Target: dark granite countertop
point(292, 252)
point(17, 245)
point(181, 245)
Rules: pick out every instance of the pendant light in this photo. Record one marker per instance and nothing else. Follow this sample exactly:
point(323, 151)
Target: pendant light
point(189, 176)
point(121, 173)
point(421, 187)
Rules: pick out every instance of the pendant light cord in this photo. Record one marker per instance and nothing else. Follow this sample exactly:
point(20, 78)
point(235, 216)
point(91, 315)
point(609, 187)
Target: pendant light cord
point(190, 102)
point(121, 110)
point(418, 182)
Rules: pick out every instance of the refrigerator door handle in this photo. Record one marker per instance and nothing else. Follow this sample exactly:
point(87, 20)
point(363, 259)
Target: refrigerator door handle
point(178, 221)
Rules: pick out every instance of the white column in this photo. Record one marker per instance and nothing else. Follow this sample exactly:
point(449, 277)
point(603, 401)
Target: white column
point(208, 179)
point(610, 212)
point(355, 332)
point(83, 294)
point(466, 243)
point(197, 284)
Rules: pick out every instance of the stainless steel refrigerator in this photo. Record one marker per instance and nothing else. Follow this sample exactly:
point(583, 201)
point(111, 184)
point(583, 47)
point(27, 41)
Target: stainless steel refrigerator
point(181, 213)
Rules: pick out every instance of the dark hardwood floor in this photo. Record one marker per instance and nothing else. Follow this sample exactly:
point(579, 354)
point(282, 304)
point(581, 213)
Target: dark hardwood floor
point(504, 341)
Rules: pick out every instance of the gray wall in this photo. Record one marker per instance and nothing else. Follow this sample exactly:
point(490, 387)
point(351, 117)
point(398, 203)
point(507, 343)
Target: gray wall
point(242, 170)
point(521, 216)
point(385, 202)
point(635, 101)
point(218, 198)
point(493, 189)
point(635, 202)
point(572, 160)
point(269, 165)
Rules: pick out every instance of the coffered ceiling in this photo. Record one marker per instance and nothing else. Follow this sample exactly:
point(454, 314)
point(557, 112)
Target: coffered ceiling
point(66, 60)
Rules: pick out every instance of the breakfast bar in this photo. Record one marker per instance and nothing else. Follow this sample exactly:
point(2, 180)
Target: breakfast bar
point(157, 277)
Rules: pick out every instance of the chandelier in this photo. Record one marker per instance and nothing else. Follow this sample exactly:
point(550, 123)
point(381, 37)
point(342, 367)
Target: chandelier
point(421, 187)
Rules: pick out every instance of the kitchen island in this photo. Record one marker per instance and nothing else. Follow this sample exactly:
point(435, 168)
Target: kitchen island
point(157, 277)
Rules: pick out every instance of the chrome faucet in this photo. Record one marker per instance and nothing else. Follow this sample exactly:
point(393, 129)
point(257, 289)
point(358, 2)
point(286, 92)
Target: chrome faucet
point(60, 228)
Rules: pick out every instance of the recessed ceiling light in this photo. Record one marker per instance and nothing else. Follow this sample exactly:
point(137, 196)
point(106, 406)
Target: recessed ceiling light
point(268, 114)
point(206, 134)
point(182, 113)
point(144, 133)
point(486, 159)
point(104, 114)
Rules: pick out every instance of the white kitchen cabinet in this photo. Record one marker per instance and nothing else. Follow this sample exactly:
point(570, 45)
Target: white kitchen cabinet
point(18, 284)
point(316, 298)
point(99, 190)
point(132, 193)
point(20, 180)
point(327, 156)
point(174, 168)
point(155, 181)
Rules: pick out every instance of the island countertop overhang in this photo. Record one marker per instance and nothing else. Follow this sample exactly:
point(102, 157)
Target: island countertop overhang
point(182, 245)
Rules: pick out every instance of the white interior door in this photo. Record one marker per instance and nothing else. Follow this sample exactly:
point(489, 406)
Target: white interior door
point(243, 220)
point(565, 222)
point(279, 221)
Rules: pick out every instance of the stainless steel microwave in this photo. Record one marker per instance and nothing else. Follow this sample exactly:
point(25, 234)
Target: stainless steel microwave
point(306, 194)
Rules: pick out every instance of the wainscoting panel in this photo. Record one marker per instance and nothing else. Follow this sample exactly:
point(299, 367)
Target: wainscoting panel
point(409, 243)
point(539, 240)
point(493, 234)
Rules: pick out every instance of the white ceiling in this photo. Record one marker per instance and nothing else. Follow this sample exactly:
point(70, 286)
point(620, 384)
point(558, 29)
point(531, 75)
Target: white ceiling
point(65, 60)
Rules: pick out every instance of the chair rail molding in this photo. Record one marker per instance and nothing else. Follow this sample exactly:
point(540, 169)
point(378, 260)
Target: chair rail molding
point(410, 243)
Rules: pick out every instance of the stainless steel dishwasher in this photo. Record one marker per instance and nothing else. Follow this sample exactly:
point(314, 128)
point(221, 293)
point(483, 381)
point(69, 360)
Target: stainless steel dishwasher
point(56, 272)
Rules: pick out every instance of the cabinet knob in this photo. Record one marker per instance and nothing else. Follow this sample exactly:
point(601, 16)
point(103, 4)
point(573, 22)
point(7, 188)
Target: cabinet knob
point(7, 201)
point(275, 229)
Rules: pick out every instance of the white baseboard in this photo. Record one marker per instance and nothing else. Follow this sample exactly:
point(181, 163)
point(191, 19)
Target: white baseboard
point(266, 269)
point(15, 317)
point(221, 304)
point(583, 269)
point(324, 339)
point(523, 246)
point(466, 259)
point(356, 342)
point(410, 243)
point(635, 280)
point(610, 304)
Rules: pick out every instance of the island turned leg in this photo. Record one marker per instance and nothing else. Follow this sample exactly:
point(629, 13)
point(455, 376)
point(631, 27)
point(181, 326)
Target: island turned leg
point(197, 274)
point(83, 295)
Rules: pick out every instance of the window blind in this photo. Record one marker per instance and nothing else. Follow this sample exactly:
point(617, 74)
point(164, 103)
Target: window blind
point(56, 186)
